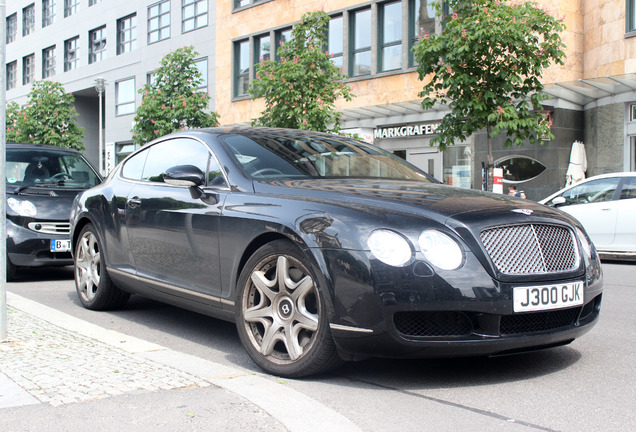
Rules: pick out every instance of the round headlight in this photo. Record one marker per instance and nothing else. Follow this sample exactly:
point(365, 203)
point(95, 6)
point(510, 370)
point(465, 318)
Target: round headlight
point(23, 208)
point(390, 248)
point(585, 244)
point(441, 250)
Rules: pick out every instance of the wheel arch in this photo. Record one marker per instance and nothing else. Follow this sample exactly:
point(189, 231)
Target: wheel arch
point(315, 261)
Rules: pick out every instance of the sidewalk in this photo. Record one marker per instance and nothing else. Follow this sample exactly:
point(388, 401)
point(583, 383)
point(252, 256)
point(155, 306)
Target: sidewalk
point(55, 359)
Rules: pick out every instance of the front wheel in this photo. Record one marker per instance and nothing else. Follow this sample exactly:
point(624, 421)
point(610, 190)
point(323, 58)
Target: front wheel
point(281, 314)
point(95, 289)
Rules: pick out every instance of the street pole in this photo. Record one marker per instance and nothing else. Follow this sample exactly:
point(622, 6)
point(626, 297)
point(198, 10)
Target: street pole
point(100, 86)
point(3, 164)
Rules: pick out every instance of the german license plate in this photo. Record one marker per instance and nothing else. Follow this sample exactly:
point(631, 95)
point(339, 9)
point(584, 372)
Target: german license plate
point(557, 296)
point(60, 245)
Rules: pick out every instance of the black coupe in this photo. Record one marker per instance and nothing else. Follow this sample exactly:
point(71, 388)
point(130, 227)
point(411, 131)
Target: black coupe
point(322, 248)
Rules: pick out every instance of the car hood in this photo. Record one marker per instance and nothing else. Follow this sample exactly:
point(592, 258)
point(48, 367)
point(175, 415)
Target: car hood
point(436, 201)
point(50, 204)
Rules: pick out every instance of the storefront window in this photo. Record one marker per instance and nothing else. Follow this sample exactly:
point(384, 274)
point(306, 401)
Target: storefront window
point(519, 169)
point(457, 166)
point(632, 154)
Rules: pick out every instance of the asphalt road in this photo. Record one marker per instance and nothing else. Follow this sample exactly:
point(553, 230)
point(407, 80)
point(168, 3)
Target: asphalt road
point(589, 385)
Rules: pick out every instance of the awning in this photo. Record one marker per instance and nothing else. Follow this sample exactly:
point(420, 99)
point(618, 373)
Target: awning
point(577, 95)
point(584, 94)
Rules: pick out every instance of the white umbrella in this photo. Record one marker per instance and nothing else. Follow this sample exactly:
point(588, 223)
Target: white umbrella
point(578, 164)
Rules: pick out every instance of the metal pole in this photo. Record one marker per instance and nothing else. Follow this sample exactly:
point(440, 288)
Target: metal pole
point(100, 86)
point(3, 164)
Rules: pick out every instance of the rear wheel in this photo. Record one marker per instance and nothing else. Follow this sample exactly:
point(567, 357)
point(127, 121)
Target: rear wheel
point(281, 314)
point(95, 289)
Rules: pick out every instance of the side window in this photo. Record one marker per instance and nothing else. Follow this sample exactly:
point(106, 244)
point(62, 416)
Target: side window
point(629, 188)
point(134, 165)
point(173, 152)
point(594, 191)
point(215, 175)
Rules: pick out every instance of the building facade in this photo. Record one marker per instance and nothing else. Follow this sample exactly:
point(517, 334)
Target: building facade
point(80, 42)
point(592, 96)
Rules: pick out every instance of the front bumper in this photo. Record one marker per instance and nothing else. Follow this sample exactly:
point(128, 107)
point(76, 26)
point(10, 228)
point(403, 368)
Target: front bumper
point(416, 311)
point(26, 248)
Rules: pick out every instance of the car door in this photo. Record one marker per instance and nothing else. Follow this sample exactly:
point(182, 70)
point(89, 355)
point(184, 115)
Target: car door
point(625, 240)
point(593, 204)
point(173, 233)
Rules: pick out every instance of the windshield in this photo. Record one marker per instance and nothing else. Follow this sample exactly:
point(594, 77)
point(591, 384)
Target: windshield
point(45, 168)
point(279, 154)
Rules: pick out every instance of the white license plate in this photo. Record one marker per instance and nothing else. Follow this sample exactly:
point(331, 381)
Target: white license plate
point(60, 245)
point(557, 296)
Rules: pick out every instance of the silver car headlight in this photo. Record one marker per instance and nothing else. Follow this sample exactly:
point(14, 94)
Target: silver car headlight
point(441, 250)
point(390, 247)
point(23, 208)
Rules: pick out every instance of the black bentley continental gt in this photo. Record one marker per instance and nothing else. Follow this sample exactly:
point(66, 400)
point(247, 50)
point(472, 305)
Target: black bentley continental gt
point(322, 248)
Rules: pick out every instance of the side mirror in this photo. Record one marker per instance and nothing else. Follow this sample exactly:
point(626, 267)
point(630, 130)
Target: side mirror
point(557, 201)
point(184, 175)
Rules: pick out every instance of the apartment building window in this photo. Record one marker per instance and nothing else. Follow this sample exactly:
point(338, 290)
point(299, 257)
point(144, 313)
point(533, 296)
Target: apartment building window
point(126, 34)
point(280, 37)
point(630, 15)
point(244, 3)
point(71, 54)
point(262, 48)
point(390, 32)
point(421, 22)
point(71, 7)
point(48, 12)
point(194, 14)
point(28, 20)
point(12, 28)
point(360, 41)
point(335, 40)
point(48, 62)
point(97, 45)
point(12, 75)
point(125, 97)
point(202, 66)
point(241, 67)
point(158, 21)
point(28, 69)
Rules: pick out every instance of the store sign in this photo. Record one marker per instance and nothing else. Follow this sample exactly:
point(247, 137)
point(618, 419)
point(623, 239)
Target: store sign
point(405, 131)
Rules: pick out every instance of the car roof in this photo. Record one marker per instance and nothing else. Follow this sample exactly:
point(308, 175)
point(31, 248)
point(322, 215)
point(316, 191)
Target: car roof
point(244, 129)
point(614, 174)
point(30, 146)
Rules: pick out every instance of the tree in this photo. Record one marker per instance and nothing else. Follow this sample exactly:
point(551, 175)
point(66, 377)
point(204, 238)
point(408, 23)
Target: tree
point(173, 100)
point(486, 67)
point(301, 89)
point(49, 117)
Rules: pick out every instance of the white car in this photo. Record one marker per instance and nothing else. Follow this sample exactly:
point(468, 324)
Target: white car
point(606, 206)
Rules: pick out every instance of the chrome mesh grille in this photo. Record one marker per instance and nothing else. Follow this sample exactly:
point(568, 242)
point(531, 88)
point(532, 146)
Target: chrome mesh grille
point(531, 249)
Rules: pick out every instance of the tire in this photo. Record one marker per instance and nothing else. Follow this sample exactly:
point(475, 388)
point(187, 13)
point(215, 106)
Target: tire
point(281, 314)
point(95, 289)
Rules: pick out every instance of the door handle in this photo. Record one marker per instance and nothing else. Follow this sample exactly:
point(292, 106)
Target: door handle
point(133, 202)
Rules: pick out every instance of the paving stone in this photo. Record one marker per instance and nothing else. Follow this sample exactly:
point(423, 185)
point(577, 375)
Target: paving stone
point(58, 367)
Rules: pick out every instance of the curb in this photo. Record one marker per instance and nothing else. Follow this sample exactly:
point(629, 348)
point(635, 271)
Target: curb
point(290, 407)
